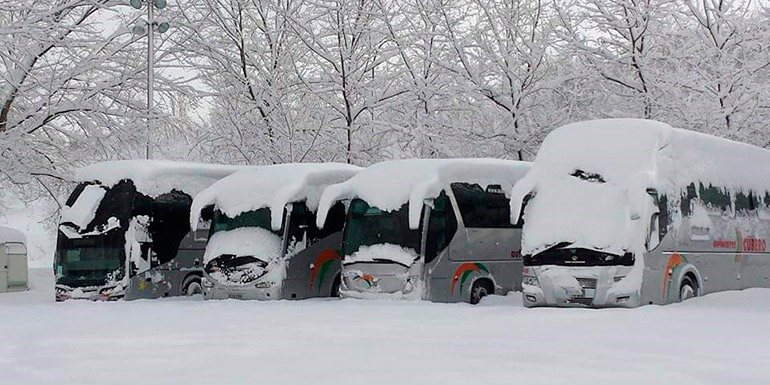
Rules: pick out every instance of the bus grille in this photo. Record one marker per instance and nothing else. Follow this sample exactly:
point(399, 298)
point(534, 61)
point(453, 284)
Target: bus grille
point(587, 283)
point(582, 301)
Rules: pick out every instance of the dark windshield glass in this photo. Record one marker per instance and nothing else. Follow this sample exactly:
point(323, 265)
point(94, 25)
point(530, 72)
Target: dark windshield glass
point(367, 225)
point(255, 218)
point(90, 261)
point(577, 257)
point(95, 259)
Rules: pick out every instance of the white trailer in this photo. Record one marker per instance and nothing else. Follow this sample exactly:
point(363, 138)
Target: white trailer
point(13, 261)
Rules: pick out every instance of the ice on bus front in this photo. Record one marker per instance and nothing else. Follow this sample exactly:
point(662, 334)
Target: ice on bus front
point(243, 253)
point(581, 239)
point(380, 254)
point(90, 254)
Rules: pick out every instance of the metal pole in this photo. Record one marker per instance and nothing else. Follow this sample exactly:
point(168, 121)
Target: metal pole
point(150, 75)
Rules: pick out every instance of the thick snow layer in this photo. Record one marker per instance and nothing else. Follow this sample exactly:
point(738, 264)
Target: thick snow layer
point(272, 187)
point(156, 177)
point(385, 251)
point(591, 177)
point(245, 241)
point(714, 340)
point(389, 185)
point(82, 212)
point(9, 235)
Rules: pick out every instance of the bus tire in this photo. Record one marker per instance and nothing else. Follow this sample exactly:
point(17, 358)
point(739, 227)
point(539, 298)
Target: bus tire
point(335, 287)
point(192, 286)
point(480, 289)
point(688, 288)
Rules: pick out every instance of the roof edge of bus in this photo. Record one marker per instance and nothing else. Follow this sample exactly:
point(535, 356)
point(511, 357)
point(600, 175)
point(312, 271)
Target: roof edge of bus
point(271, 186)
point(390, 184)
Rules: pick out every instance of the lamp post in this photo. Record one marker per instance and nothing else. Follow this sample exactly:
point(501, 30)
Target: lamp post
point(149, 27)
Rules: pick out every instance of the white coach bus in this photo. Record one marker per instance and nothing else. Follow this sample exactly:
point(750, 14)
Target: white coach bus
point(264, 243)
point(433, 229)
point(626, 212)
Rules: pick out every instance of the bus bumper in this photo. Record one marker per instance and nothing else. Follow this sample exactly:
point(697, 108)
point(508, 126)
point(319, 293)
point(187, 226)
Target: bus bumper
point(216, 290)
point(595, 287)
point(92, 293)
point(380, 281)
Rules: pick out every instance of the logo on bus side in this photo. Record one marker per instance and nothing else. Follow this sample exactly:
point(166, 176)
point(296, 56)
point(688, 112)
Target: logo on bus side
point(741, 244)
point(321, 266)
point(463, 272)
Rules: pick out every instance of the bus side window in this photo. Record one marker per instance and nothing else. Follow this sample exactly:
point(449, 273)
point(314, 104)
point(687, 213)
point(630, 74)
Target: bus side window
point(687, 196)
point(299, 223)
point(746, 204)
point(715, 198)
point(204, 223)
point(169, 224)
point(335, 220)
point(663, 217)
point(442, 225)
point(481, 208)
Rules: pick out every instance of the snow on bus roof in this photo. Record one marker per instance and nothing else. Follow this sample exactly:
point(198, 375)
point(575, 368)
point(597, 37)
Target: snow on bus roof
point(669, 159)
point(389, 185)
point(9, 235)
point(272, 187)
point(155, 177)
point(599, 171)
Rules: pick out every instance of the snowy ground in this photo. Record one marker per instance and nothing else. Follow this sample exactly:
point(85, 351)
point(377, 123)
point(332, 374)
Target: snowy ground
point(718, 339)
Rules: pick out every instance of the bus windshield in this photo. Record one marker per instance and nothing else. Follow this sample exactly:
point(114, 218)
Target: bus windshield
point(90, 261)
point(368, 225)
point(563, 254)
point(255, 218)
point(95, 254)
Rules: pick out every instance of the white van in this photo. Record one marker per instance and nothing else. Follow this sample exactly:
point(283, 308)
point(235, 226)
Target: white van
point(13, 260)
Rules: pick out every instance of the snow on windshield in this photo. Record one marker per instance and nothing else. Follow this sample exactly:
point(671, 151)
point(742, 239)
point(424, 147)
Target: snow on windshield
point(272, 187)
point(261, 247)
point(156, 177)
point(244, 241)
point(383, 251)
point(389, 185)
point(83, 211)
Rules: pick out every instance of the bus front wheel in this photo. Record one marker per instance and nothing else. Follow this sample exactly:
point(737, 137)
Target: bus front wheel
point(192, 286)
point(687, 289)
point(480, 289)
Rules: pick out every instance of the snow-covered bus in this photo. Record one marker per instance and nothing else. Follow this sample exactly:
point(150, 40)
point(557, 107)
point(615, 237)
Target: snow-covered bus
point(124, 231)
point(264, 243)
point(14, 275)
point(433, 229)
point(625, 212)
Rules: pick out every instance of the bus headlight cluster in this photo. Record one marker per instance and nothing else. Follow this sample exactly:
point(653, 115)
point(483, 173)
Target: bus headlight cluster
point(263, 285)
point(531, 281)
point(206, 283)
point(618, 278)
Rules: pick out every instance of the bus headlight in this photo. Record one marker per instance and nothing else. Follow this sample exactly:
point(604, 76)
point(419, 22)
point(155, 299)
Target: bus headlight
point(206, 283)
point(263, 285)
point(531, 281)
point(618, 278)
